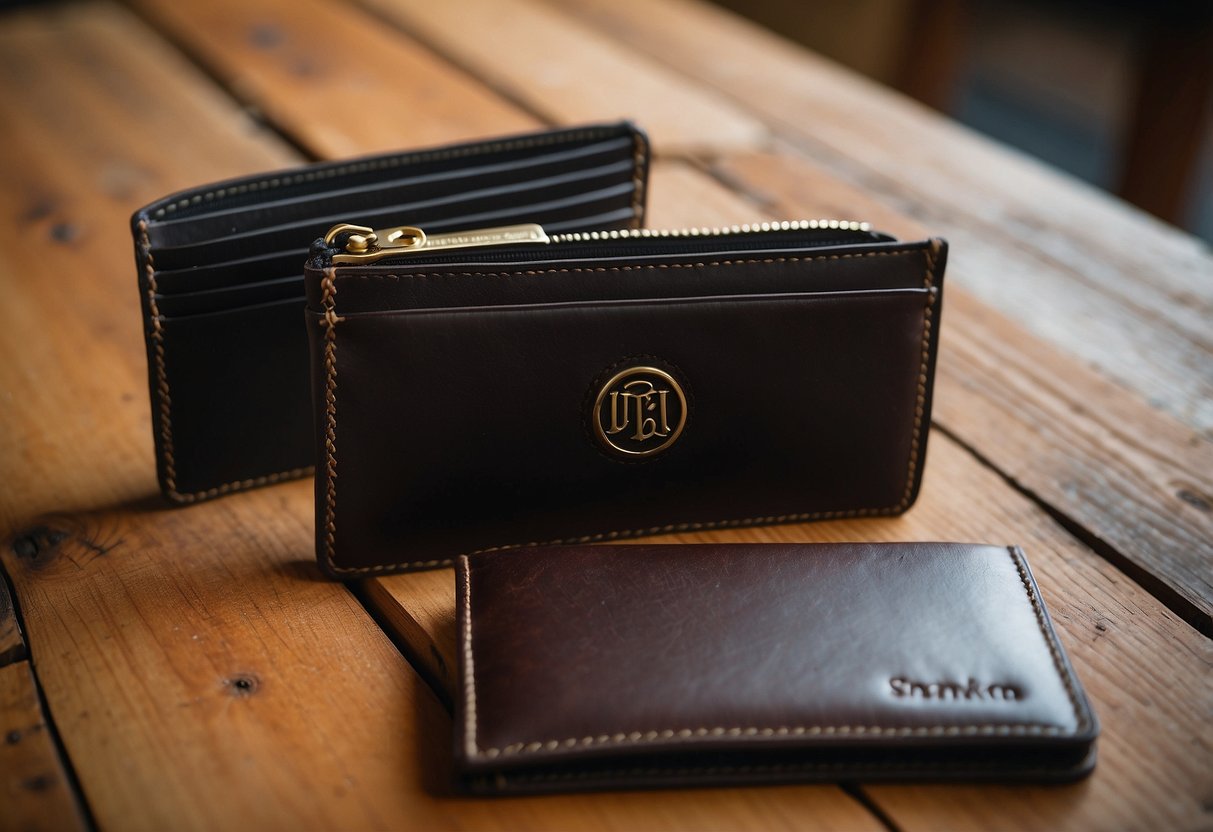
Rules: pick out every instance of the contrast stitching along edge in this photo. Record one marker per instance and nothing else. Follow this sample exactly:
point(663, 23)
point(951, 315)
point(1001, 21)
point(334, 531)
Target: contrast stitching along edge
point(469, 714)
point(156, 334)
point(330, 545)
point(816, 730)
point(328, 302)
point(1067, 679)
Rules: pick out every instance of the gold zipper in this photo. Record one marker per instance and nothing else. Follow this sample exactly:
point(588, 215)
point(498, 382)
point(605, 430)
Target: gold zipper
point(366, 245)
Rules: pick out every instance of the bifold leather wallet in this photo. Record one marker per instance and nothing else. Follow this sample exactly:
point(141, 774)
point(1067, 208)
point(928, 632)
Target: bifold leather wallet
point(512, 386)
point(636, 666)
point(220, 277)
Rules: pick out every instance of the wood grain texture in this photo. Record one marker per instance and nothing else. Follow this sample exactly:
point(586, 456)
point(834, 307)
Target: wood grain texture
point(1089, 274)
point(332, 77)
point(567, 72)
point(77, 424)
point(1133, 481)
point(34, 790)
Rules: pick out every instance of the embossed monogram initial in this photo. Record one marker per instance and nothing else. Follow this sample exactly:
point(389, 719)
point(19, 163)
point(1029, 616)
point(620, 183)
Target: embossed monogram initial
point(639, 411)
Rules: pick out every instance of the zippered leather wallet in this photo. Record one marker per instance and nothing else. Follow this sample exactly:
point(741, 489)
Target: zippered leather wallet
point(631, 666)
point(506, 387)
point(220, 279)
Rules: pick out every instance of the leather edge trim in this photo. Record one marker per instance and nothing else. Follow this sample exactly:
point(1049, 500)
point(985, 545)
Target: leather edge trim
point(476, 783)
point(1084, 717)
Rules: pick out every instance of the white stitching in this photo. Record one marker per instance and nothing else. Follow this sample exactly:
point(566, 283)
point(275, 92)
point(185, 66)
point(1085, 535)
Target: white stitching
point(677, 735)
point(928, 281)
point(156, 335)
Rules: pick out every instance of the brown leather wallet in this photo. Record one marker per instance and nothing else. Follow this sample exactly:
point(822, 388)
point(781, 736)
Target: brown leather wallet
point(631, 666)
point(220, 279)
point(506, 387)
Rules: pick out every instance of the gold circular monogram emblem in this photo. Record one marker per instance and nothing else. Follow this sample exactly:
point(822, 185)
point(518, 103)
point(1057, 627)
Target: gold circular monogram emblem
point(640, 411)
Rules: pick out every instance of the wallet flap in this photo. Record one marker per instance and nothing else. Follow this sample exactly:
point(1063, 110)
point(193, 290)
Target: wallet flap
point(910, 659)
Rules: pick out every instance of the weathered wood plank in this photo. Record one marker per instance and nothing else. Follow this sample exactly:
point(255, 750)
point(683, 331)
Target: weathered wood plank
point(1134, 481)
point(332, 77)
point(36, 793)
point(568, 72)
point(1089, 273)
point(75, 437)
point(200, 671)
point(1145, 670)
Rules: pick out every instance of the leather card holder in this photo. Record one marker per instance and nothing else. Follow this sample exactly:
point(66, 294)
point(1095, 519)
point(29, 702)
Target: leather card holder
point(617, 666)
point(220, 271)
point(589, 387)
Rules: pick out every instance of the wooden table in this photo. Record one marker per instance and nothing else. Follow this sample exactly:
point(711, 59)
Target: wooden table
point(180, 668)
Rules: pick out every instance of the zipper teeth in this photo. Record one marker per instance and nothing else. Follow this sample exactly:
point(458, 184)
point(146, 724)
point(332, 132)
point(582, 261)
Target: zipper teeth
point(746, 228)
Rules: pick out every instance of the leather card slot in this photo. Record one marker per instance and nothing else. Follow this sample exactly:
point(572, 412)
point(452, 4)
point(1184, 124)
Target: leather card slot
point(510, 200)
point(370, 170)
point(608, 219)
point(343, 199)
point(739, 299)
point(405, 286)
point(231, 297)
point(281, 303)
point(254, 269)
point(216, 363)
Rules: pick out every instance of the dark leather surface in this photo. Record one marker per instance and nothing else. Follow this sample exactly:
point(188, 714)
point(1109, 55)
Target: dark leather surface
point(453, 416)
point(221, 284)
point(603, 666)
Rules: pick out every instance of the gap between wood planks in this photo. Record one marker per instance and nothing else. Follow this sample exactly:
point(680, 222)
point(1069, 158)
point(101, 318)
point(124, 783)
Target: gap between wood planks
point(41, 788)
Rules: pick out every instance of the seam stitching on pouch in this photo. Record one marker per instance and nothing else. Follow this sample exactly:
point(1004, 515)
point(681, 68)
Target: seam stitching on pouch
point(329, 550)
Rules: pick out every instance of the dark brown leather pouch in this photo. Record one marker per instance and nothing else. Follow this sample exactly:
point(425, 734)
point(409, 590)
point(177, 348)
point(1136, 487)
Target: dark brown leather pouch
point(636, 666)
point(222, 289)
point(508, 387)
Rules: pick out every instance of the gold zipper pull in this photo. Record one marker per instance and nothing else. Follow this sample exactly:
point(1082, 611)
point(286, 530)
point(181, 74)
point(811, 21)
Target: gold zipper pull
point(366, 245)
